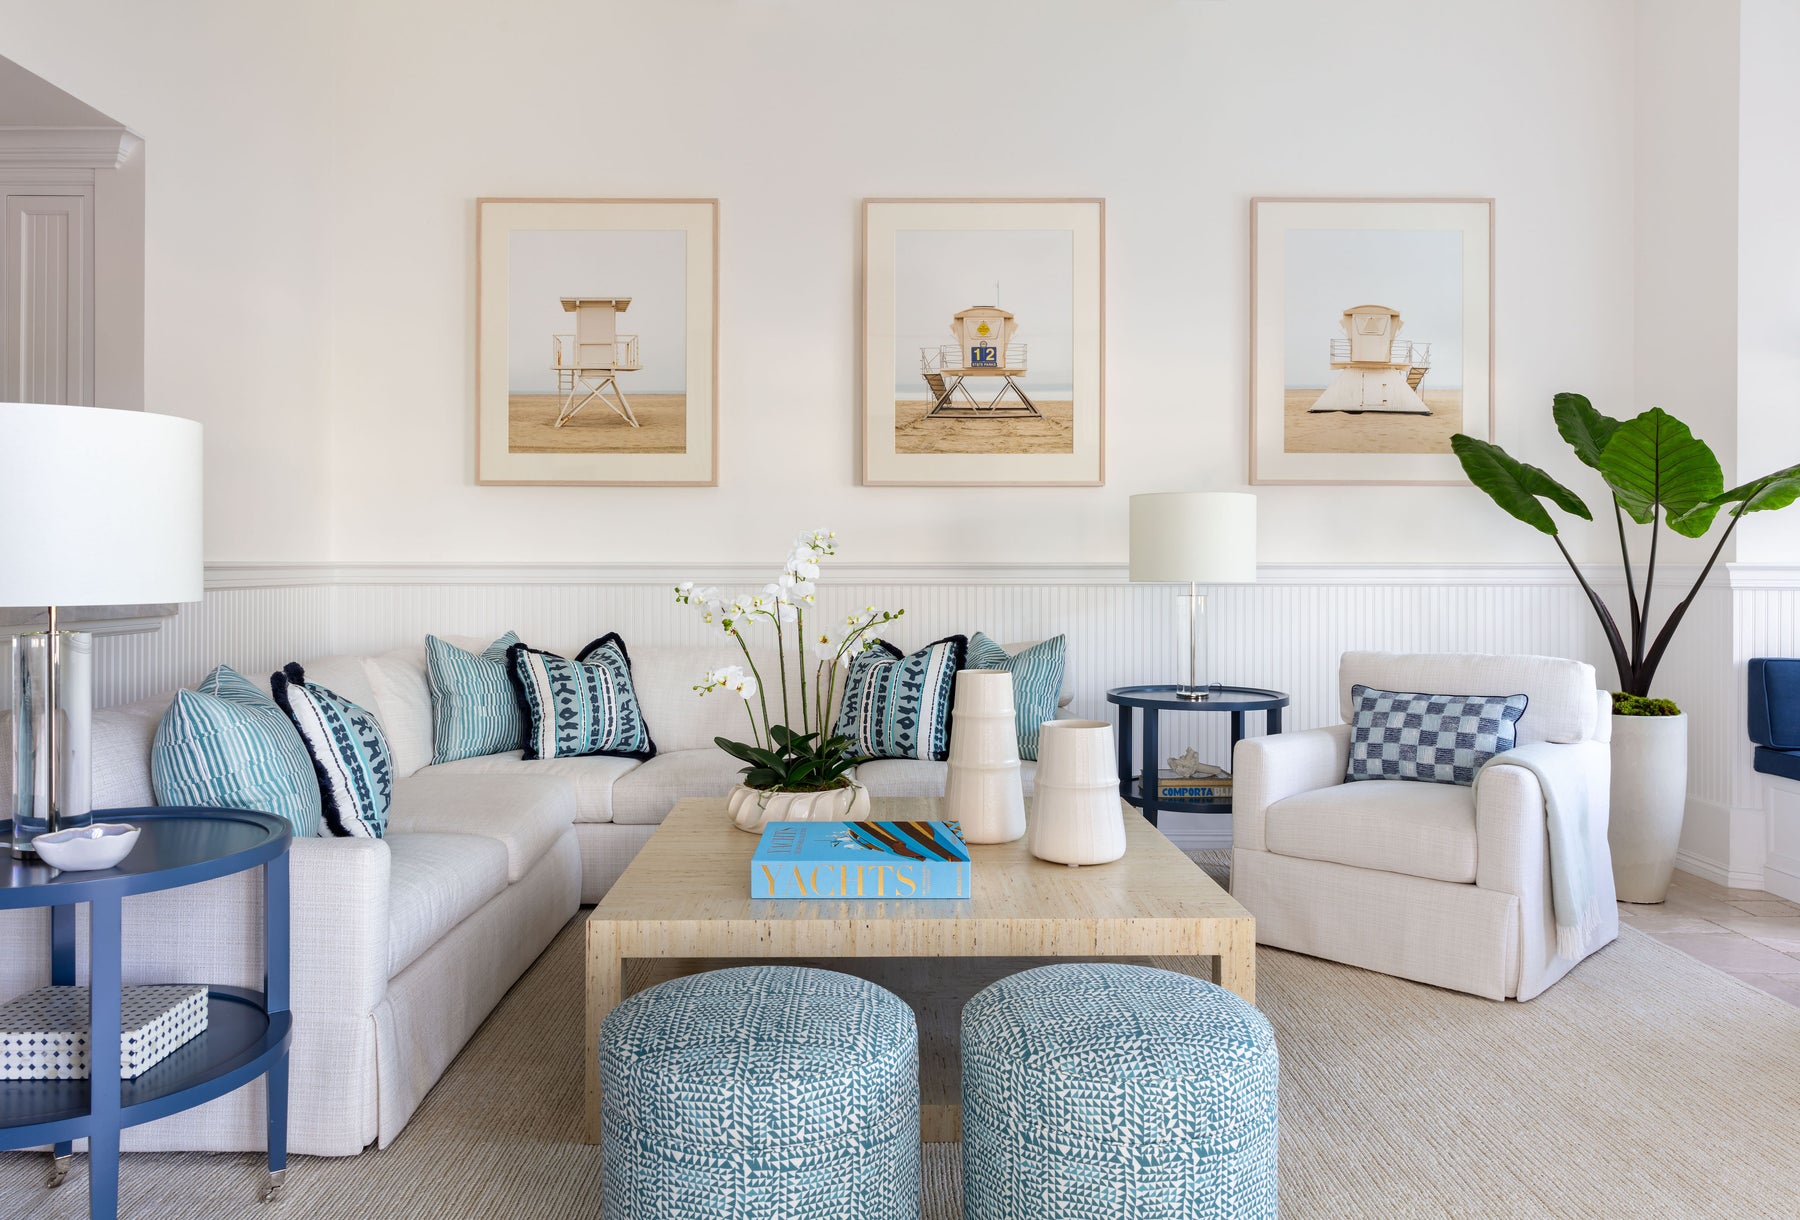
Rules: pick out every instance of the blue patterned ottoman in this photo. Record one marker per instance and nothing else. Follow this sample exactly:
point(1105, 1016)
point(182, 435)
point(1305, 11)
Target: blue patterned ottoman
point(760, 1093)
point(1116, 1091)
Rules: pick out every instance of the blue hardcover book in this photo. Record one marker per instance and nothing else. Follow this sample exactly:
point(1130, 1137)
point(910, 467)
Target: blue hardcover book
point(860, 860)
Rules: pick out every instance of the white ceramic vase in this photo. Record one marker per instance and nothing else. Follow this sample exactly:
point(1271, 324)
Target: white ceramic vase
point(1076, 814)
point(982, 788)
point(1649, 798)
point(753, 808)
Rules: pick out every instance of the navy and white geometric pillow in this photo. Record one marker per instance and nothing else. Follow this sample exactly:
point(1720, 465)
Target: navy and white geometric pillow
point(1440, 739)
point(473, 709)
point(898, 706)
point(349, 752)
point(579, 707)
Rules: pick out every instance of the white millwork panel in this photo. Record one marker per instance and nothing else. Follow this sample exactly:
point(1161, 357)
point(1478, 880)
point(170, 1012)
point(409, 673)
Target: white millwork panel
point(47, 299)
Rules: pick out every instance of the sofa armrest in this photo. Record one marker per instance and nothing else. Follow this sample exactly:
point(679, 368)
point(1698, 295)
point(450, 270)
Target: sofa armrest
point(1511, 839)
point(1274, 767)
point(339, 921)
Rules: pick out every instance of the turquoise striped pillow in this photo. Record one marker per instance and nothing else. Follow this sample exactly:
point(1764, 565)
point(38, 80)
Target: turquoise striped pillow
point(1037, 679)
point(473, 708)
point(228, 746)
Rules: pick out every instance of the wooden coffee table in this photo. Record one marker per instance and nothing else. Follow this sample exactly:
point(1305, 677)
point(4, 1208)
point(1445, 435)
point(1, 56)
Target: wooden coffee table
point(682, 905)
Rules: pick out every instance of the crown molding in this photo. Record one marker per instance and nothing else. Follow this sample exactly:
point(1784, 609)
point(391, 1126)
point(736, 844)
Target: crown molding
point(66, 147)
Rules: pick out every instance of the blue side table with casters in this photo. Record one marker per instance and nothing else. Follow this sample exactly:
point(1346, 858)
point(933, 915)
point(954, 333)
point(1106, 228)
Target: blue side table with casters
point(247, 1031)
point(1139, 789)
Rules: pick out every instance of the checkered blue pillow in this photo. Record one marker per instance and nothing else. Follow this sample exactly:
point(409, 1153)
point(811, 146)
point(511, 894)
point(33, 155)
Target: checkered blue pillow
point(1441, 739)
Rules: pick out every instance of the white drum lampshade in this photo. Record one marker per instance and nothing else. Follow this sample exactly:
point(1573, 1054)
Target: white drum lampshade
point(1193, 538)
point(97, 508)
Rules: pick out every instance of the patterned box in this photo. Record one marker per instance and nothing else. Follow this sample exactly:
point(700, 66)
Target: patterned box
point(860, 860)
point(44, 1034)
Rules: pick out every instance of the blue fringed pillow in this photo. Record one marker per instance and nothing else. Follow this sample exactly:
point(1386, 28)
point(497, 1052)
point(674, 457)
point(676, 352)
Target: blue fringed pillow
point(898, 706)
point(584, 706)
point(349, 753)
point(1441, 739)
point(473, 709)
point(229, 746)
point(1037, 682)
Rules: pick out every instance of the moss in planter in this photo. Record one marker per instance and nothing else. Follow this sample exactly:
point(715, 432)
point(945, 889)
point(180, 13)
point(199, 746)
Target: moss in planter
point(1639, 705)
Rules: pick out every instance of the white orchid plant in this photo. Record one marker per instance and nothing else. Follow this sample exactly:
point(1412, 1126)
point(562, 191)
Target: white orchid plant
point(783, 757)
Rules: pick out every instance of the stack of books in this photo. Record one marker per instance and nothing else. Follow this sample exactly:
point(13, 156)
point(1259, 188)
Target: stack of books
point(860, 860)
point(1172, 787)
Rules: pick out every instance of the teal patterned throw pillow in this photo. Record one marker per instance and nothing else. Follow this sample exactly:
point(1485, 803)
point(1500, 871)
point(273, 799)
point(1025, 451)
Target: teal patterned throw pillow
point(228, 746)
point(898, 706)
point(473, 708)
point(584, 706)
point(349, 751)
point(1037, 681)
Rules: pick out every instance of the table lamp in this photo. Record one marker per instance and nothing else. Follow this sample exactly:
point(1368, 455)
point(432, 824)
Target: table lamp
point(97, 508)
point(1193, 538)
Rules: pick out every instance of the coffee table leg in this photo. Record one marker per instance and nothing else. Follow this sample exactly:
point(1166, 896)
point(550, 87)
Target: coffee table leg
point(605, 981)
point(1234, 968)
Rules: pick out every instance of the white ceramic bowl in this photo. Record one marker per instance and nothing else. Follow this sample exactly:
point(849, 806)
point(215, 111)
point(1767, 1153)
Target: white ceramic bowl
point(85, 848)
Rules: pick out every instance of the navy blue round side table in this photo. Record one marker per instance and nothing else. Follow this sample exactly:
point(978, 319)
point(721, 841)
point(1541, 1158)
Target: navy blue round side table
point(247, 1031)
point(1154, 700)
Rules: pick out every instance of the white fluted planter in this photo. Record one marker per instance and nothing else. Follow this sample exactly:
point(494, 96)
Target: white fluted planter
point(1076, 814)
point(983, 789)
point(1649, 800)
point(753, 808)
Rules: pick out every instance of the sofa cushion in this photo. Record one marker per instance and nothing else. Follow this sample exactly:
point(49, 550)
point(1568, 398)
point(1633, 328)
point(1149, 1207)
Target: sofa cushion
point(435, 881)
point(590, 775)
point(1561, 693)
point(644, 795)
point(679, 717)
point(526, 814)
point(121, 745)
point(917, 777)
point(228, 746)
point(403, 701)
point(473, 708)
point(1396, 826)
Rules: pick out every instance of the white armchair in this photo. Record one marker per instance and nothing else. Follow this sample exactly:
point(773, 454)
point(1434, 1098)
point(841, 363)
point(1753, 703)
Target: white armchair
point(1422, 880)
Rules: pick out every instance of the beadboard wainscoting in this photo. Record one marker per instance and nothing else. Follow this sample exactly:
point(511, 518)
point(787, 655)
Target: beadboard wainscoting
point(1286, 632)
point(1764, 808)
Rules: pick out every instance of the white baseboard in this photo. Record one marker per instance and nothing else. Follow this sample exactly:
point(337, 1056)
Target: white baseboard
point(1781, 882)
point(1718, 874)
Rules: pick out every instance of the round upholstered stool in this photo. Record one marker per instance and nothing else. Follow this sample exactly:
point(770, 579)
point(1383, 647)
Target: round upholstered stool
point(1118, 1091)
point(760, 1093)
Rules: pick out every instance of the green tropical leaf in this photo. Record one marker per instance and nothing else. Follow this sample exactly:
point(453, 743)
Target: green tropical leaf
point(1515, 486)
point(1766, 494)
point(763, 777)
point(737, 749)
point(1586, 430)
point(1654, 461)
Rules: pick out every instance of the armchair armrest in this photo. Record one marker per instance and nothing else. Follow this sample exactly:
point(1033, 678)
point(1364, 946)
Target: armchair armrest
point(1511, 850)
point(1275, 767)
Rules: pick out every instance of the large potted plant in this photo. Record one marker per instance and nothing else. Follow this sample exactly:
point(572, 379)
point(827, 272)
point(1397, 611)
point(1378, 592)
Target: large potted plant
point(794, 771)
point(1661, 475)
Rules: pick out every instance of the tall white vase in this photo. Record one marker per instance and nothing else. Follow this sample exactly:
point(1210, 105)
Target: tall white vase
point(982, 789)
point(1649, 800)
point(1076, 814)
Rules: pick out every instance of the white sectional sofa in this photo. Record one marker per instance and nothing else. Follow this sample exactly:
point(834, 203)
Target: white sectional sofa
point(402, 946)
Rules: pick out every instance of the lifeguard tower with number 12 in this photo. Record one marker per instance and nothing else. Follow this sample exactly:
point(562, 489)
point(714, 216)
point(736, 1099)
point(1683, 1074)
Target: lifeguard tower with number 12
point(983, 348)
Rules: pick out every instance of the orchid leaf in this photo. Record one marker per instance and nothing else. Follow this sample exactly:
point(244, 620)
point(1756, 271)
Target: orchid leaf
point(1654, 462)
point(1586, 430)
point(1515, 486)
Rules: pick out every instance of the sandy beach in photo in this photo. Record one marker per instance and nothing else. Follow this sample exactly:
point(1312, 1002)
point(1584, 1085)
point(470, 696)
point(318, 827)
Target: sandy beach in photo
point(1370, 432)
point(597, 429)
point(1055, 433)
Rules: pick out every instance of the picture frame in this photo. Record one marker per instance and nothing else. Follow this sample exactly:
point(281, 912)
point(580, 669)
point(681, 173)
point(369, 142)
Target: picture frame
point(597, 342)
point(983, 342)
point(1368, 391)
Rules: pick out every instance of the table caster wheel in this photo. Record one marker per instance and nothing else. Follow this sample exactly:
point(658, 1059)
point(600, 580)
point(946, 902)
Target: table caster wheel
point(59, 1171)
point(272, 1191)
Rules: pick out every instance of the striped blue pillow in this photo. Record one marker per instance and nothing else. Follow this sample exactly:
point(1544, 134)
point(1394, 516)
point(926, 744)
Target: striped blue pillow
point(584, 706)
point(1037, 682)
point(228, 746)
point(473, 708)
point(349, 752)
point(898, 706)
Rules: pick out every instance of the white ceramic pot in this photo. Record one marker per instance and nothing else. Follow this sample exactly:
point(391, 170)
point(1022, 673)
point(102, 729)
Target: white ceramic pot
point(1649, 797)
point(1076, 814)
point(982, 786)
point(752, 808)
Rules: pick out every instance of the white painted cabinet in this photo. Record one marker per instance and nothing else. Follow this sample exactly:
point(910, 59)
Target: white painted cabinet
point(47, 299)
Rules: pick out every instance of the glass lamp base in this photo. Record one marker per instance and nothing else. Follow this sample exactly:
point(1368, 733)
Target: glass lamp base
point(1192, 694)
point(51, 759)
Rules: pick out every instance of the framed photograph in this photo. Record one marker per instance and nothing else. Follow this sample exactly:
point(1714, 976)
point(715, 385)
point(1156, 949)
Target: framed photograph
point(597, 341)
point(1371, 337)
point(984, 330)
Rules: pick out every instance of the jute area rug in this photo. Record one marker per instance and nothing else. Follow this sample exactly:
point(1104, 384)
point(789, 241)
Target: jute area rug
point(1643, 1085)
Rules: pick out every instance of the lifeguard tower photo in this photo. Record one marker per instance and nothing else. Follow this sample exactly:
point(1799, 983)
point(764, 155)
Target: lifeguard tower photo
point(984, 349)
point(597, 345)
